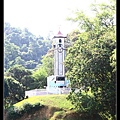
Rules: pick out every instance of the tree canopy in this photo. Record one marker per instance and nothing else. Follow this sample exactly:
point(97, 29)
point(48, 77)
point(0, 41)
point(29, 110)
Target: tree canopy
point(91, 63)
point(23, 48)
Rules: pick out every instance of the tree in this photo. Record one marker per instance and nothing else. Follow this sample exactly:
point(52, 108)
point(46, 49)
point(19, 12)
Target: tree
point(17, 79)
point(24, 48)
point(11, 52)
point(15, 91)
point(5, 89)
point(40, 77)
point(18, 72)
point(22, 75)
point(113, 60)
point(47, 63)
point(89, 65)
point(44, 70)
point(28, 82)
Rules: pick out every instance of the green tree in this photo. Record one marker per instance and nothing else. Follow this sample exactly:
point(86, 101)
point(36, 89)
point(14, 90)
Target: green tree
point(18, 72)
point(16, 80)
point(28, 82)
point(15, 91)
point(22, 75)
point(40, 78)
point(88, 62)
point(5, 89)
point(43, 70)
point(22, 47)
point(113, 60)
point(11, 51)
point(47, 63)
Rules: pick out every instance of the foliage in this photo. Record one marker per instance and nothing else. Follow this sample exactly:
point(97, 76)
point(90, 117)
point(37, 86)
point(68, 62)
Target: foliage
point(12, 114)
point(21, 74)
point(47, 64)
point(11, 52)
point(5, 89)
point(41, 73)
point(17, 79)
point(88, 62)
point(6, 94)
point(18, 72)
point(17, 112)
point(28, 82)
point(15, 91)
point(113, 60)
point(40, 78)
point(71, 38)
point(23, 48)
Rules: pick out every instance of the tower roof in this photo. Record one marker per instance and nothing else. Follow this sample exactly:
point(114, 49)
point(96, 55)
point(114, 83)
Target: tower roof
point(59, 35)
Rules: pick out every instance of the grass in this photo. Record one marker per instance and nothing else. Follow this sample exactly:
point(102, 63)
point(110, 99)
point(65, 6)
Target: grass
point(58, 101)
point(57, 107)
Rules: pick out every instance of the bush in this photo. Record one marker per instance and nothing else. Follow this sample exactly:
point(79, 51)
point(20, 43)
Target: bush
point(37, 106)
point(15, 112)
point(27, 107)
point(84, 103)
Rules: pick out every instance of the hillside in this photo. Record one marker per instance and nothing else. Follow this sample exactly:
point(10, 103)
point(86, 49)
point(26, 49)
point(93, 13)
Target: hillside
point(56, 107)
point(23, 47)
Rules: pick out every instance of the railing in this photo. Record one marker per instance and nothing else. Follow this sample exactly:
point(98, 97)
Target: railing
point(56, 90)
point(49, 90)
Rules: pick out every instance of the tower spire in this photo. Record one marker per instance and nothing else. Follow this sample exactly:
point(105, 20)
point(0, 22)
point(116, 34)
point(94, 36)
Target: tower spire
point(59, 27)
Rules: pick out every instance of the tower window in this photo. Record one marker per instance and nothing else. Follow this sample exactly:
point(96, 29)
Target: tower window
point(54, 46)
point(60, 41)
point(60, 45)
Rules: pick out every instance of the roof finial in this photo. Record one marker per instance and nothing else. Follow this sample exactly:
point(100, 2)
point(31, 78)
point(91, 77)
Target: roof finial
point(59, 27)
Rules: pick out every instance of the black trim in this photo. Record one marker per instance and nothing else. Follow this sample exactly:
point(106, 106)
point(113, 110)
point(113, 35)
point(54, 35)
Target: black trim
point(60, 78)
point(59, 37)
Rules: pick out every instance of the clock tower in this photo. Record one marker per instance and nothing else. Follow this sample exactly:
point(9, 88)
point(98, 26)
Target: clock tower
point(58, 80)
point(59, 54)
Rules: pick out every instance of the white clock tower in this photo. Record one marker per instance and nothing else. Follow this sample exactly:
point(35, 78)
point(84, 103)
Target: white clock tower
point(59, 54)
point(58, 80)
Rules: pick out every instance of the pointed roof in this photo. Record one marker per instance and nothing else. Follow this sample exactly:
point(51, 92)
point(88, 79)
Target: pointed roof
point(59, 35)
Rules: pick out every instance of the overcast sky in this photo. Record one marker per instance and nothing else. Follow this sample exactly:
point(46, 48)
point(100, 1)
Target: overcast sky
point(41, 16)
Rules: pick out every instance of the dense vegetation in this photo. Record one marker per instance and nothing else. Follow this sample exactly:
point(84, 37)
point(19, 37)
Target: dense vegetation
point(25, 58)
point(23, 48)
point(91, 62)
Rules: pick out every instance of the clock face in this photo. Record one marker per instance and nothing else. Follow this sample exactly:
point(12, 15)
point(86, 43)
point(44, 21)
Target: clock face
point(60, 48)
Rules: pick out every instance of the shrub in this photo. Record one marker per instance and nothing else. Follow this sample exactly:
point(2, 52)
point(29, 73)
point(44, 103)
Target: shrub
point(37, 106)
point(27, 107)
point(13, 113)
point(16, 112)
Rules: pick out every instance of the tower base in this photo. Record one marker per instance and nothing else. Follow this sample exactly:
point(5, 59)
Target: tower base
point(54, 83)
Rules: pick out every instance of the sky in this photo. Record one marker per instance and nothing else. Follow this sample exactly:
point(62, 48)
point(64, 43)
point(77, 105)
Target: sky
point(42, 16)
